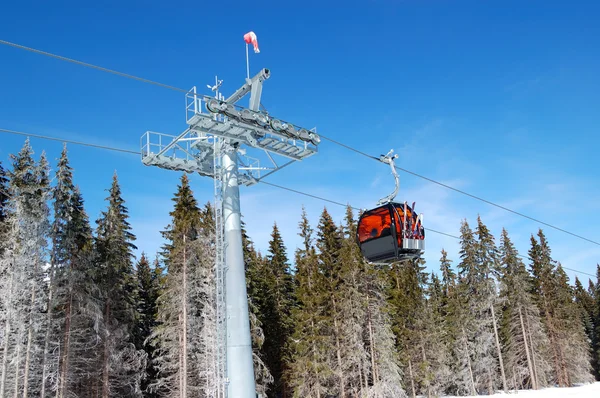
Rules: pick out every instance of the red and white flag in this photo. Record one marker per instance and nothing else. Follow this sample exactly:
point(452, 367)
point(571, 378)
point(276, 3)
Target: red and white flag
point(250, 38)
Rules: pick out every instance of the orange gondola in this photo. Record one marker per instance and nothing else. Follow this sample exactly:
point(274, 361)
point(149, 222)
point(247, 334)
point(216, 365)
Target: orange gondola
point(392, 231)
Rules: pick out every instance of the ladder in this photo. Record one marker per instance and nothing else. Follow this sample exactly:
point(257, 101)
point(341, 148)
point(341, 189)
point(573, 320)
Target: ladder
point(221, 321)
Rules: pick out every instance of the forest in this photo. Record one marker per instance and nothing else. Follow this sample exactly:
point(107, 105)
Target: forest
point(81, 316)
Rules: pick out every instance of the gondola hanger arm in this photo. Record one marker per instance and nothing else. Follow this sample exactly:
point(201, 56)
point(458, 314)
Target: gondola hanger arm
point(389, 159)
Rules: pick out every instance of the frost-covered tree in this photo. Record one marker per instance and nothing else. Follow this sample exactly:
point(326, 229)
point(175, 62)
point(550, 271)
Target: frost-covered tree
point(275, 305)
point(357, 316)
point(3, 203)
point(435, 350)
point(595, 289)
point(587, 311)
point(478, 292)
point(407, 301)
point(121, 363)
point(73, 313)
point(148, 286)
point(524, 338)
point(258, 302)
point(185, 337)
point(488, 266)
point(22, 270)
point(309, 367)
point(329, 245)
point(569, 349)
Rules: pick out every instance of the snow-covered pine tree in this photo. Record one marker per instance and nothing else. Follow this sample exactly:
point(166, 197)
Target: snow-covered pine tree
point(203, 315)
point(23, 263)
point(122, 365)
point(309, 366)
point(587, 310)
point(596, 343)
point(79, 331)
point(73, 312)
point(148, 286)
point(174, 312)
point(477, 328)
point(407, 303)
point(568, 346)
point(329, 245)
point(258, 301)
point(575, 345)
point(5, 257)
point(524, 339)
point(455, 315)
point(3, 204)
point(436, 352)
point(185, 337)
point(276, 311)
point(356, 312)
point(489, 263)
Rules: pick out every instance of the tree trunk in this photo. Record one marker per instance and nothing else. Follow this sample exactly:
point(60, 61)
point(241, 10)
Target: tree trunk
point(64, 363)
point(338, 351)
point(47, 338)
point(17, 367)
point(412, 378)
point(106, 351)
point(424, 357)
point(314, 349)
point(184, 305)
point(529, 363)
point(372, 344)
point(504, 386)
point(473, 390)
point(6, 340)
point(552, 337)
point(533, 360)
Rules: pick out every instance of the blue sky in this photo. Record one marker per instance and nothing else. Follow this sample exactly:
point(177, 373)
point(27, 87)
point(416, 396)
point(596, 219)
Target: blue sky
point(499, 99)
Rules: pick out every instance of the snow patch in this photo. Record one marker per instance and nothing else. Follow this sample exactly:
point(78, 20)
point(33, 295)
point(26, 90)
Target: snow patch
point(585, 391)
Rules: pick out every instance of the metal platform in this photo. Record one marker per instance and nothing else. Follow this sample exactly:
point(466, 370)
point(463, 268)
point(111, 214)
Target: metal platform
point(246, 133)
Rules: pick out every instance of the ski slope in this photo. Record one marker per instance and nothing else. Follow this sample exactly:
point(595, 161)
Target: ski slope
point(585, 391)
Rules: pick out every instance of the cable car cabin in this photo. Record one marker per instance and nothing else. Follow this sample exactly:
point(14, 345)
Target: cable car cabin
point(385, 235)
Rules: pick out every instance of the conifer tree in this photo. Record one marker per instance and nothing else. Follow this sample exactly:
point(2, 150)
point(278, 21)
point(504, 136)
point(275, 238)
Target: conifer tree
point(455, 315)
point(359, 318)
point(258, 302)
point(587, 309)
point(524, 338)
point(148, 285)
point(488, 263)
point(309, 365)
point(174, 303)
point(476, 288)
point(121, 363)
point(3, 203)
point(185, 339)
point(596, 343)
point(555, 300)
point(436, 348)
point(73, 309)
point(329, 245)
point(276, 311)
point(22, 271)
point(407, 301)
point(571, 332)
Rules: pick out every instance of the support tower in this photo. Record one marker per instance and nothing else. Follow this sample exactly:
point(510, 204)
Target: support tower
point(215, 144)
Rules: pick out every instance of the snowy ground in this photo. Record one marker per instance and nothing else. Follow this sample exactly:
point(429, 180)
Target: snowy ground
point(586, 391)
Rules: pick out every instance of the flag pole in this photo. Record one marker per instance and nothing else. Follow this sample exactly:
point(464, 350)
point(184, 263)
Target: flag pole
point(247, 63)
